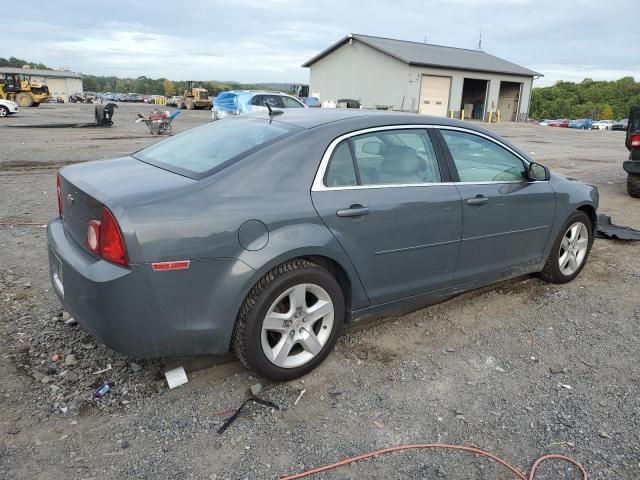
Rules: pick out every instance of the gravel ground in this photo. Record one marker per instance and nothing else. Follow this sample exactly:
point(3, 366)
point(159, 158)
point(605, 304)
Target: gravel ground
point(521, 369)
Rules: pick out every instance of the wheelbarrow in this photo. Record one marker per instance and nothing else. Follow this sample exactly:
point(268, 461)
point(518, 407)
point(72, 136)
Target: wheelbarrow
point(159, 123)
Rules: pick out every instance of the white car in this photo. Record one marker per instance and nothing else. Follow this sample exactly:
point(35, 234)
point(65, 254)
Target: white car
point(238, 102)
point(602, 125)
point(7, 107)
point(545, 123)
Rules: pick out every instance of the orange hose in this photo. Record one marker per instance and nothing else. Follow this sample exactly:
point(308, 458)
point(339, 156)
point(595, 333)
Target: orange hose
point(477, 451)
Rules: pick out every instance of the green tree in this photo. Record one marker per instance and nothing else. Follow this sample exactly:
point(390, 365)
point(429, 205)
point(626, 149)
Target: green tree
point(169, 88)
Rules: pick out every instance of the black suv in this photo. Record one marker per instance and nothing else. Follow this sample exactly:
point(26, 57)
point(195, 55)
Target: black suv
point(632, 141)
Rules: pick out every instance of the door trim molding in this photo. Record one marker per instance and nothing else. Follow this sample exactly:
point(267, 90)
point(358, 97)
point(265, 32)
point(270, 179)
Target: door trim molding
point(318, 181)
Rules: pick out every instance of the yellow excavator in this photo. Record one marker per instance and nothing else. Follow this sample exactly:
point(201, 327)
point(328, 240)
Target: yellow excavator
point(19, 88)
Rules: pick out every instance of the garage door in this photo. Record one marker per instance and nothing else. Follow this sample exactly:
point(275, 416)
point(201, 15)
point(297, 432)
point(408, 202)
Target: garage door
point(434, 95)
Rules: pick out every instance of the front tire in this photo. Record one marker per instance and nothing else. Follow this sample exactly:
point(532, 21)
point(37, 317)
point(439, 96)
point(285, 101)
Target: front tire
point(570, 250)
point(290, 321)
point(4, 111)
point(633, 185)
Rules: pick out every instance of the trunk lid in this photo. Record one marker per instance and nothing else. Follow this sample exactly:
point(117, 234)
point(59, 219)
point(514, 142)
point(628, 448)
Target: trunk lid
point(85, 188)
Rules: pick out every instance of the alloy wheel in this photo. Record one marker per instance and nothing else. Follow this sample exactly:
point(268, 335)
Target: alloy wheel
point(297, 325)
point(573, 248)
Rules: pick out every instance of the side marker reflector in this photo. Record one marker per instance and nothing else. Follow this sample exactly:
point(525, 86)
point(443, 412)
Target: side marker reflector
point(164, 266)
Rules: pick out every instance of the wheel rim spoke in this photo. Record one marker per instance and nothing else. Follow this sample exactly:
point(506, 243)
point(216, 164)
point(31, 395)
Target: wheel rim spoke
point(319, 310)
point(311, 343)
point(275, 322)
point(298, 297)
point(282, 349)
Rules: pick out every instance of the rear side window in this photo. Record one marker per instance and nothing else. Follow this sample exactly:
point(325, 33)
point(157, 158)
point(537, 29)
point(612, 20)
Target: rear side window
point(390, 157)
point(201, 151)
point(291, 103)
point(480, 160)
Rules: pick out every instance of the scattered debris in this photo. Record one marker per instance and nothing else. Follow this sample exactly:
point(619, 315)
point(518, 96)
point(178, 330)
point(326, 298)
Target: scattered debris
point(256, 389)
point(605, 229)
point(135, 367)
point(604, 435)
point(233, 417)
point(563, 385)
point(71, 321)
point(500, 370)
point(101, 391)
point(176, 377)
point(103, 370)
point(379, 425)
point(56, 357)
point(556, 369)
point(70, 360)
point(302, 392)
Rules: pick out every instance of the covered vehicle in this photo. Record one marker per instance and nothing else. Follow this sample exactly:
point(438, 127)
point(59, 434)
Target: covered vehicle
point(265, 234)
point(7, 107)
point(632, 142)
point(240, 102)
point(581, 123)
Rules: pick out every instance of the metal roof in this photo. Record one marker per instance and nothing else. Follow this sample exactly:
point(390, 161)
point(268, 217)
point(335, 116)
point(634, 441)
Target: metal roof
point(428, 55)
point(40, 73)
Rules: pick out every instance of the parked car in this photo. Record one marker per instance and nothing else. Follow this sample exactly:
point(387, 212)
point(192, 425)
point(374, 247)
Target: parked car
point(581, 123)
point(545, 123)
point(562, 123)
point(239, 102)
point(632, 142)
point(602, 125)
point(621, 125)
point(7, 107)
point(267, 233)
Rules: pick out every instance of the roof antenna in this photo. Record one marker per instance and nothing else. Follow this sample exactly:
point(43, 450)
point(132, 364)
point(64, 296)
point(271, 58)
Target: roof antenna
point(480, 39)
point(425, 39)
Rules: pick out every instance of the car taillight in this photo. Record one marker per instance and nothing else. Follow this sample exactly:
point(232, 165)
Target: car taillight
point(635, 141)
point(105, 239)
point(59, 192)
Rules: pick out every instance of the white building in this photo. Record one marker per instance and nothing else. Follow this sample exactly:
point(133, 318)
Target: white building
point(61, 83)
point(419, 77)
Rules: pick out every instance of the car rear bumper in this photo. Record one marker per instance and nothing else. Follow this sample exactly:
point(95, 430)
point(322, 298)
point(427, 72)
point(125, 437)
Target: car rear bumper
point(143, 313)
point(632, 166)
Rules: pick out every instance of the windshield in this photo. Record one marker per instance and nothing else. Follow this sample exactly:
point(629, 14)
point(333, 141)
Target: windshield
point(202, 151)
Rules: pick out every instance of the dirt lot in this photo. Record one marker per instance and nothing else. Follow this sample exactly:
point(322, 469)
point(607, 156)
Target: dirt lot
point(521, 369)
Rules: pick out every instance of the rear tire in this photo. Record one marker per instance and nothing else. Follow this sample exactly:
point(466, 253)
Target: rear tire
point(261, 328)
point(633, 185)
point(556, 270)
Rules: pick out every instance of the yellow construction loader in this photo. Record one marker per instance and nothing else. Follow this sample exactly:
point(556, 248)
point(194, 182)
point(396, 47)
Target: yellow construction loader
point(194, 98)
point(19, 88)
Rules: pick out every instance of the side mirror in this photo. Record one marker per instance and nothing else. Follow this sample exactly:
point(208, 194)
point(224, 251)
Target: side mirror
point(372, 148)
point(537, 172)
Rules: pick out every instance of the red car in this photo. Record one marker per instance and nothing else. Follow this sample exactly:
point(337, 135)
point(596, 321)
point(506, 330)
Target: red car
point(563, 123)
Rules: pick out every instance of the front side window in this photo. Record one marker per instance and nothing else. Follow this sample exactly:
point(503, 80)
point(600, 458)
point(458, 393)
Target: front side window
point(390, 157)
point(480, 160)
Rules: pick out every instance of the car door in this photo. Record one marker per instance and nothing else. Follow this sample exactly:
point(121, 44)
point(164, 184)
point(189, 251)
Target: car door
point(391, 205)
point(506, 217)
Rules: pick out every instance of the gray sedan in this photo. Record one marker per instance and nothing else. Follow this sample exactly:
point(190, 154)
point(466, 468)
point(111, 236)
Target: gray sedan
point(267, 234)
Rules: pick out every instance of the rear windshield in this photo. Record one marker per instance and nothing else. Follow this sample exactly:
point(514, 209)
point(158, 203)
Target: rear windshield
point(204, 150)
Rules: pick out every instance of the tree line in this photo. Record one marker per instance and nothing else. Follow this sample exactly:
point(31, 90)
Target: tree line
point(600, 100)
point(143, 85)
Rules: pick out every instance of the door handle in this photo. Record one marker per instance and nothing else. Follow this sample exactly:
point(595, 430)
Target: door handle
point(353, 211)
point(478, 200)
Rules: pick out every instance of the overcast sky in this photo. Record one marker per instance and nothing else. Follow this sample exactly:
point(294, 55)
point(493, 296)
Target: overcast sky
point(268, 40)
